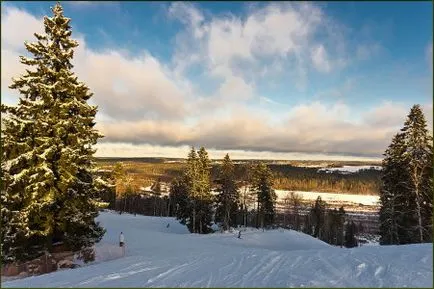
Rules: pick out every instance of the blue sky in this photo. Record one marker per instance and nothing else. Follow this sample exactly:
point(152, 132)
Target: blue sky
point(326, 78)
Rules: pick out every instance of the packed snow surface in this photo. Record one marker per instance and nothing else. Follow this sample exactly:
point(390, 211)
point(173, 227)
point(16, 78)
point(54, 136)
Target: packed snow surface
point(161, 256)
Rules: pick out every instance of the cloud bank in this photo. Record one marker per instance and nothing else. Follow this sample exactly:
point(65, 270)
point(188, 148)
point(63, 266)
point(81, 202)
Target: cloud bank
point(146, 104)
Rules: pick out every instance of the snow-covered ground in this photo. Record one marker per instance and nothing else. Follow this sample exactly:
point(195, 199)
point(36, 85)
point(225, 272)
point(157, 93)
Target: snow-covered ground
point(350, 169)
point(157, 256)
point(367, 200)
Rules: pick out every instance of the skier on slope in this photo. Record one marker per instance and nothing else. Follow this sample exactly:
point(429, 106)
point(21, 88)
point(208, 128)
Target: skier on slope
point(122, 243)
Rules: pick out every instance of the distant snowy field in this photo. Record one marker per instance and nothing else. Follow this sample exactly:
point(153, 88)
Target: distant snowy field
point(157, 256)
point(367, 200)
point(350, 169)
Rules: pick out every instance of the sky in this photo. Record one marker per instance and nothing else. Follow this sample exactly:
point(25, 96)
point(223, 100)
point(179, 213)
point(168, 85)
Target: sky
point(271, 80)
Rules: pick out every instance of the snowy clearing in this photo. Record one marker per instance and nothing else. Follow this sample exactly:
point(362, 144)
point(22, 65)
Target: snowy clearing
point(157, 256)
point(367, 200)
point(349, 169)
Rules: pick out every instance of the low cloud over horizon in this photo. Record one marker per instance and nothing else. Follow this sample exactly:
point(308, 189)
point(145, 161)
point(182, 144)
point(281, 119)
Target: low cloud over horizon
point(271, 81)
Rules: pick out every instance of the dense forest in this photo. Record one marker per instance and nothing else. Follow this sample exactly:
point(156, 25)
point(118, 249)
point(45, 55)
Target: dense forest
point(145, 172)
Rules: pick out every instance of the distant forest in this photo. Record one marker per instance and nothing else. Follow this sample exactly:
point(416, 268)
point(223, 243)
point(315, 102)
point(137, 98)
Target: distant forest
point(144, 172)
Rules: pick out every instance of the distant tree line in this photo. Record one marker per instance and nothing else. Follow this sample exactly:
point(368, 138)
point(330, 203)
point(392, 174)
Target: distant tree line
point(366, 181)
point(285, 176)
point(232, 199)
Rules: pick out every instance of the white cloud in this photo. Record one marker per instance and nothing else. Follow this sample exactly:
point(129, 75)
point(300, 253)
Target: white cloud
point(220, 44)
point(18, 26)
point(124, 87)
point(12, 41)
point(428, 112)
point(235, 88)
point(132, 88)
point(388, 114)
point(144, 101)
point(308, 128)
point(320, 59)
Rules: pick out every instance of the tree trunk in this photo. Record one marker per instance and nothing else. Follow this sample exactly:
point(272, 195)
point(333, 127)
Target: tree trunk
point(155, 204)
point(226, 219)
point(394, 234)
point(419, 216)
point(245, 208)
point(416, 179)
point(194, 219)
point(200, 226)
point(245, 216)
point(257, 214)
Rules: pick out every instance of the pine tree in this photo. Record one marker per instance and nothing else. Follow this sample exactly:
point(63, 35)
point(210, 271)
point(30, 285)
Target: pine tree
point(156, 194)
point(205, 198)
point(318, 217)
point(179, 193)
point(228, 196)
point(295, 201)
point(334, 226)
point(350, 235)
point(407, 192)
point(395, 211)
point(191, 177)
point(246, 194)
point(47, 154)
point(419, 157)
point(341, 222)
point(266, 197)
point(286, 210)
point(192, 193)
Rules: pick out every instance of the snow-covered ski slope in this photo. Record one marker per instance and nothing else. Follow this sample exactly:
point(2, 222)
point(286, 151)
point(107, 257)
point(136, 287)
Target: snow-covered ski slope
point(157, 256)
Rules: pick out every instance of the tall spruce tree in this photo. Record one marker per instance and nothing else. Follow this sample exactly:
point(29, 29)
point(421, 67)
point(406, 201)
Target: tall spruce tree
point(334, 226)
point(317, 213)
point(192, 193)
point(395, 211)
point(407, 193)
point(295, 201)
point(179, 194)
point(419, 158)
point(246, 194)
point(228, 196)
point(49, 185)
point(350, 235)
point(205, 198)
point(341, 229)
point(266, 197)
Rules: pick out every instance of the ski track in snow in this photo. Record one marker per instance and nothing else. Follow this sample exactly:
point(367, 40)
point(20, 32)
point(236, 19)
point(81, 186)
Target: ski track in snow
point(157, 256)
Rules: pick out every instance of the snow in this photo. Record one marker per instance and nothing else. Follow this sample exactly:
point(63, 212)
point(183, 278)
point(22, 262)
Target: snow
point(157, 256)
point(367, 200)
point(350, 169)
